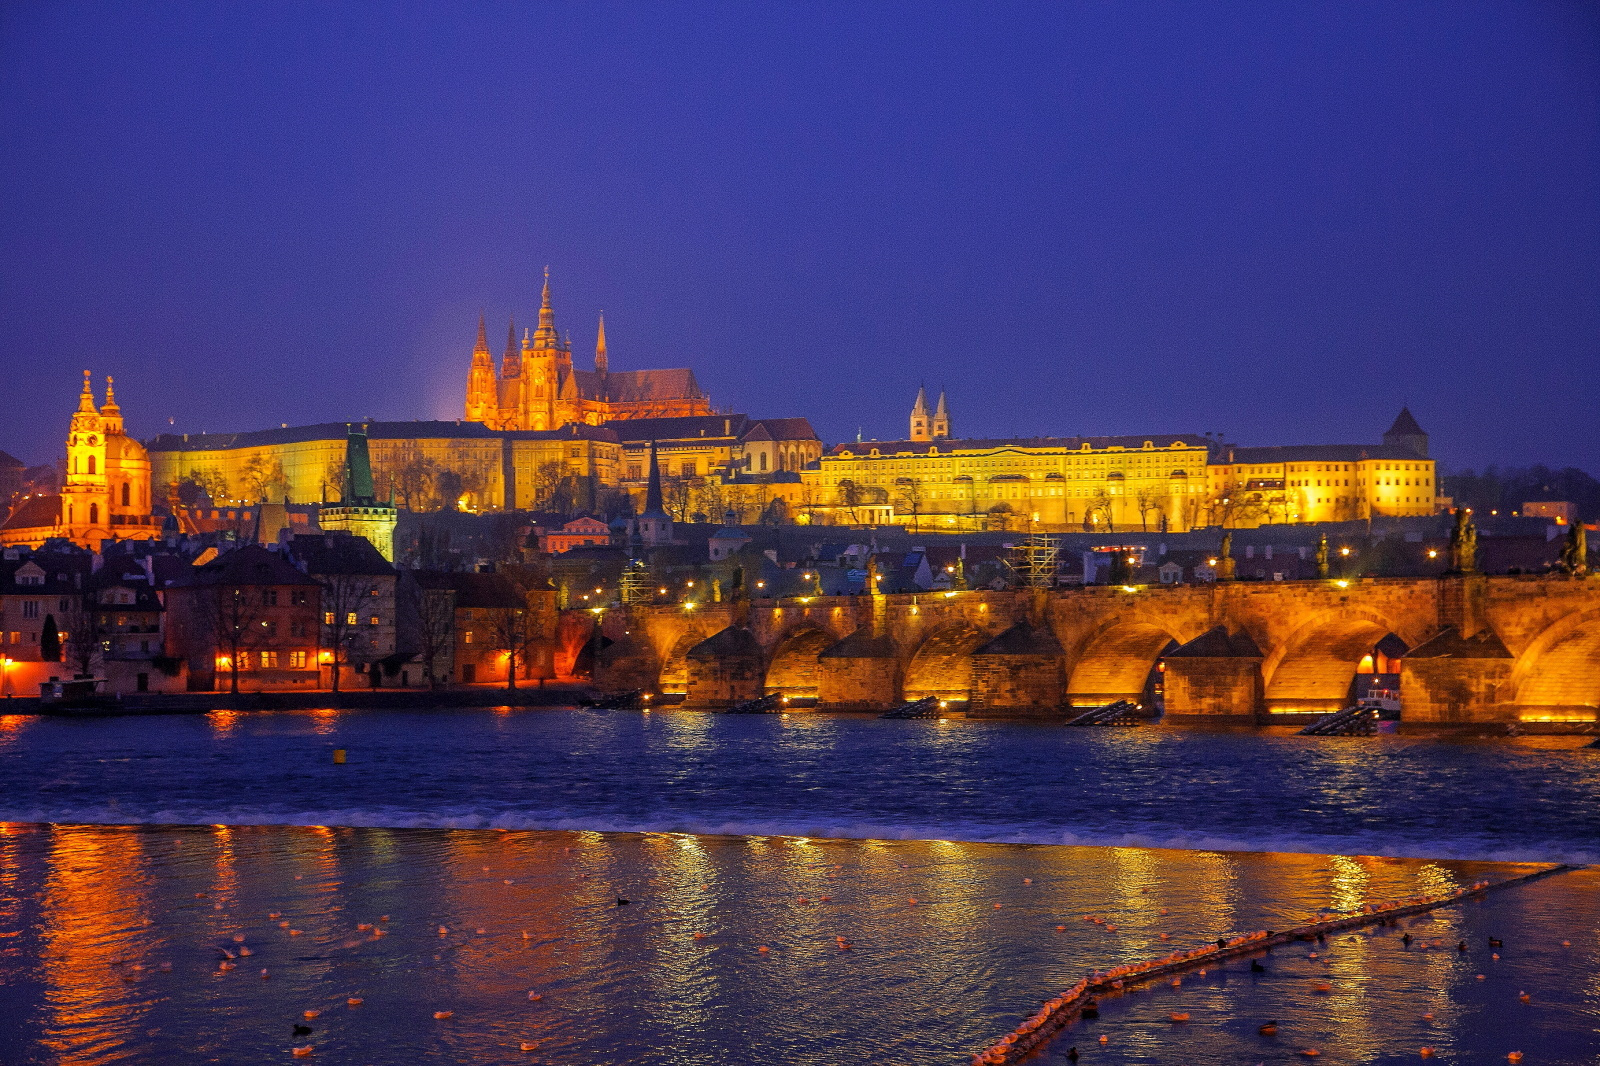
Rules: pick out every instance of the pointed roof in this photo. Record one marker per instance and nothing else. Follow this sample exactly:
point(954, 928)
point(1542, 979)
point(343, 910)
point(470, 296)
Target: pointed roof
point(922, 401)
point(547, 316)
point(357, 468)
point(1405, 425)
point(86, 397)
point(653, 503)
point(600, 347)
point(1024, 639)
point(1218, 643)
point(483, 338)
point(941, 411)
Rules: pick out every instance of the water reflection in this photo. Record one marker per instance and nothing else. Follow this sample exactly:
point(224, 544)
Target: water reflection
point(413, 922)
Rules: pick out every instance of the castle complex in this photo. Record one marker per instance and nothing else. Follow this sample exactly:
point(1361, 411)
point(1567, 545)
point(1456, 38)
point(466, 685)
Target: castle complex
point(537, 387)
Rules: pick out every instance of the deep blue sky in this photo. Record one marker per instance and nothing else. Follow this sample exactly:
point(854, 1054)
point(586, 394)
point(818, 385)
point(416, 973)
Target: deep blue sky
point(1279, 221)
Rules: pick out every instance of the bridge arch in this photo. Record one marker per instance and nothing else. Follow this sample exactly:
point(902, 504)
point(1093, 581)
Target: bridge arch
point(942, 664)
point(794, 670)
point(675, 664)
point(1558, 674)
point(1117, 660)
point(1312, 668)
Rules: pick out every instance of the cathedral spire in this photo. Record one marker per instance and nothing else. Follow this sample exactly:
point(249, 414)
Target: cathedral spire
point(483, 338)
point(547, 317)
point(653, 502)
point(601, 366)
point(941, 419)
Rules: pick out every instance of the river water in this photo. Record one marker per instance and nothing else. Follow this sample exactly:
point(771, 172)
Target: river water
point(129, 843)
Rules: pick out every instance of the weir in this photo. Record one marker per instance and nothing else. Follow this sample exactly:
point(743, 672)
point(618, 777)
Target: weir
point(1461, 649)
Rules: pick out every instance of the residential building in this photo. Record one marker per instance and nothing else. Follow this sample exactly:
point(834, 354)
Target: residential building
point(245, 618)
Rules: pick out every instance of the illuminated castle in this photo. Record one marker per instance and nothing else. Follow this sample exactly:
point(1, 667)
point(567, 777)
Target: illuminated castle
point(538, 388)
point(106, 490)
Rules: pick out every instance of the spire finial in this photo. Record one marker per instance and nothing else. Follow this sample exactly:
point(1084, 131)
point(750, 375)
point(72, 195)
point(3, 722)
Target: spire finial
point(547, 317)
point(86, 397)
point(601, 364)
point(111, 394)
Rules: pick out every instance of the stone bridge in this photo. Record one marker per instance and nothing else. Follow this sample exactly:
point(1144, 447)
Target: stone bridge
point(1479, 648)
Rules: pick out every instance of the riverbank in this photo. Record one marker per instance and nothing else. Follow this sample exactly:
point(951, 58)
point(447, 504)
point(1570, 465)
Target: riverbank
point(181, 944)
point(532, 694)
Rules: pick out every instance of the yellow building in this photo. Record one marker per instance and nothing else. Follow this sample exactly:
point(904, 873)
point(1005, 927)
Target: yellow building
point(106, 489)
point(424, 465)
point(1250, 487)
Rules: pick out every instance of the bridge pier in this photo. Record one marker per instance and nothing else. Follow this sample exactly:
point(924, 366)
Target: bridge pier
point(1453, 678)
point(725, 669)
point(1020, 672)
point(1218, 674)
point(860, 673)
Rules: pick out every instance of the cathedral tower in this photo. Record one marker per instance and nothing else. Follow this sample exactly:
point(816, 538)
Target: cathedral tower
point(483, 394)
point(919, 416)
point(941, 420)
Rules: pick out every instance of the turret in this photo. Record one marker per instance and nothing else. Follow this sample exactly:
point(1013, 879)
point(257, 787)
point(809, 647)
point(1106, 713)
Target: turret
point(600, 365)
point(1405, 433)
point(919, 416)
point(941, 419)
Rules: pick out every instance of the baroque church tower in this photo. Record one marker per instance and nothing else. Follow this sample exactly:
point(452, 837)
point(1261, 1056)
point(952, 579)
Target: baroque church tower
point(922, 426)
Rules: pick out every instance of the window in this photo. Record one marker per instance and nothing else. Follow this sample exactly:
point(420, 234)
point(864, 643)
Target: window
point(94, 508)
point(269, 660)
point(466, 637)
point(244, 660)
point(372, 621)
point(30, 608)
point(297, 660)
point(91, 470)
point(298, 598)
point(269, 597)
point(327, 618)
point(350, 619)
point(124, 494)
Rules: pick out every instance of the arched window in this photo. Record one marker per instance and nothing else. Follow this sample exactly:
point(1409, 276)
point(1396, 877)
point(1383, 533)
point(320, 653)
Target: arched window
point(125, 492)
point(94, 513)
point(763, 462)
point(91, 464)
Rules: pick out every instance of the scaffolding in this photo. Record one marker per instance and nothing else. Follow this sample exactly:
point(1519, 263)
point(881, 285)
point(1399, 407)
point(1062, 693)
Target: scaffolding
point(1036, 560)
point(634, 586)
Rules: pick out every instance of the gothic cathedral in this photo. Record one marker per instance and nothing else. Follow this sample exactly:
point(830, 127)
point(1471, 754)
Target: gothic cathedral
point(537, 387)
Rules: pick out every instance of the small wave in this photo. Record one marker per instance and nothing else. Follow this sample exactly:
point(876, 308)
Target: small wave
point(1460, 848)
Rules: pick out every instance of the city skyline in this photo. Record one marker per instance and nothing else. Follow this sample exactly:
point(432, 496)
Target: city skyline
point(1163, 222)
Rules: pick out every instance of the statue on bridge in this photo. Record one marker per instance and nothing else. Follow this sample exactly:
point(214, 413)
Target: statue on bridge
point(1322, 556)
point(1575, 552)
point(1225, 563)
point(1464, 543)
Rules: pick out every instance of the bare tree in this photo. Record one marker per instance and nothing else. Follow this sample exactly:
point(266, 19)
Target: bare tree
point(233, 615)
point(82, 630)
point(908, 498)
point(508, 631)
point(343, 597)
point(433, 611)
point(676, 497)
point(1148, 500)
point(259, 477)
point(1098, 512)
point(412, 475)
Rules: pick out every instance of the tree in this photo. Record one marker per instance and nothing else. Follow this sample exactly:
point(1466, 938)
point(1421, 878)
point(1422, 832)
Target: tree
point(202, 487)
point(343, 597)
point(233, 615)
point(675, 497)
point(509, 633)
point(433, 613)
point(259, 477)
point(84, 632)
point(548, 479)
point(908, 498)
point(413, 476)
point(1149, 501)
point(1097, 514)
point(50, 641)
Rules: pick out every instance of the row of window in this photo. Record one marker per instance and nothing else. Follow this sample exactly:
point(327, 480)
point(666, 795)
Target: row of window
point(351, 619)
point(268, 660)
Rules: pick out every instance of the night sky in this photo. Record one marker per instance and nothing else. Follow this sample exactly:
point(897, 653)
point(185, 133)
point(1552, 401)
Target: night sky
point(1278, 221)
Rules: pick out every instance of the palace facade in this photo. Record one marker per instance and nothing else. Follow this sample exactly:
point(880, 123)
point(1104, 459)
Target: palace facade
point(537, 388)
point(105, 493)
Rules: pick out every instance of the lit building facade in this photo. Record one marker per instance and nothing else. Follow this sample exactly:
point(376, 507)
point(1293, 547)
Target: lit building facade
point(536, 386)
point(423, 465)
point(1251, 487)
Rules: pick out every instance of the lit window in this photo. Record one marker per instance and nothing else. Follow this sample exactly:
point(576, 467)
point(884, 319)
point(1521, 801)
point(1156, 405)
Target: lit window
point(466, 637)
point(327, 618)
point(297, 659)
point(350, 619)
